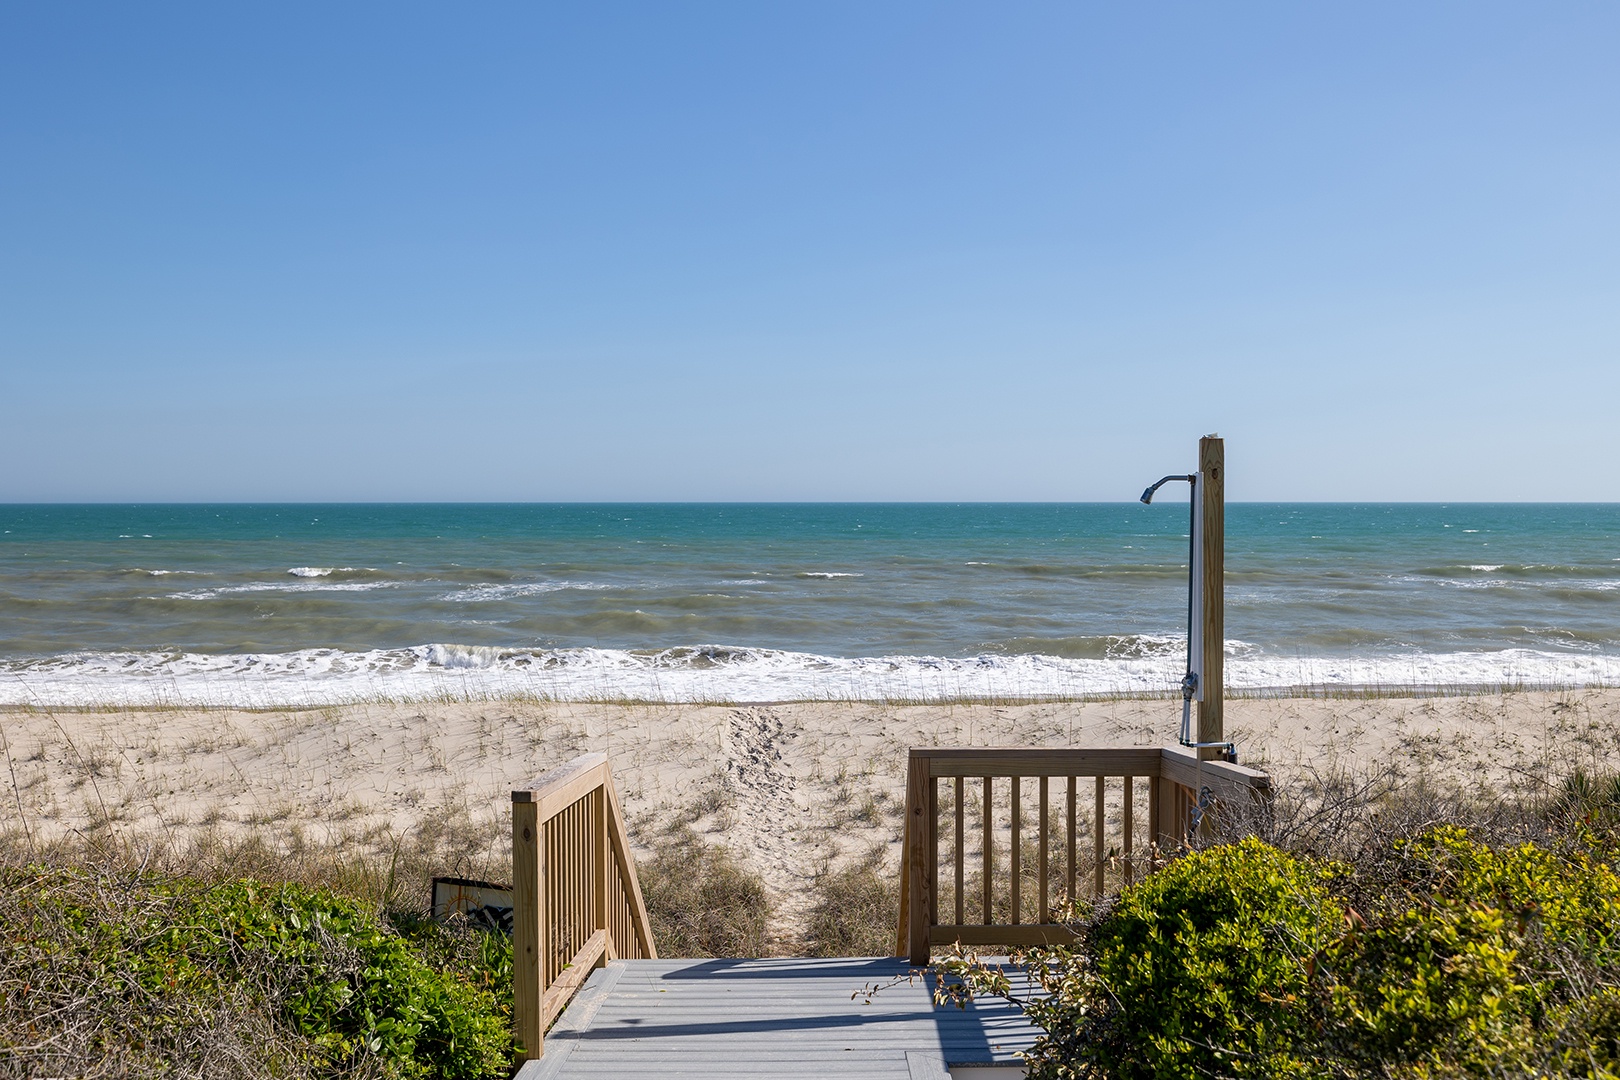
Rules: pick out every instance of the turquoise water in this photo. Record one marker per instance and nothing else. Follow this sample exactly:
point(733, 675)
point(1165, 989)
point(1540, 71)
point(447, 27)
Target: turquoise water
point(326, 602)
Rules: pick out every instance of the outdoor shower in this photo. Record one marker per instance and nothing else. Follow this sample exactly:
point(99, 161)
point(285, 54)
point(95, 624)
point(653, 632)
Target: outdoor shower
point(1192, 683)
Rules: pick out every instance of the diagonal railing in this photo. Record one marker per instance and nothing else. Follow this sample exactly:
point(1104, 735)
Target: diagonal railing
point(575, 900)
point(1064, 818)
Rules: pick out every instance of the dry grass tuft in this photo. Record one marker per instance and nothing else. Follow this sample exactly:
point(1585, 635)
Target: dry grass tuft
point(855, 909)
point(701, 900)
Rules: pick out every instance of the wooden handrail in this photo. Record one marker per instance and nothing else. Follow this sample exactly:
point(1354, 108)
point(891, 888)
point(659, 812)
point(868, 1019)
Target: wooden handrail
point(576, 902)
point(1181, 790)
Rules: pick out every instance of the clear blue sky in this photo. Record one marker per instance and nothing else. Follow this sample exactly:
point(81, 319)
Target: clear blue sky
point(808, 251)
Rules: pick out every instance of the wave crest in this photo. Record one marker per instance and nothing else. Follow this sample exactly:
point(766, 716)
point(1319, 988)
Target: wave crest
point(733, 673)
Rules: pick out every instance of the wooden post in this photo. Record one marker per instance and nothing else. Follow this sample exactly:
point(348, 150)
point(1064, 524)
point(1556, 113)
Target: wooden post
point(1212, 470)
point(920, 910)
point(528, 929)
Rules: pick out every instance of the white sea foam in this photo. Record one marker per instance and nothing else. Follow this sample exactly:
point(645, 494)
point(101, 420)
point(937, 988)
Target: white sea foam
point(825, 574)
point(1145, 646)
point(717, 673)
point(478, 594)
point(279, 587)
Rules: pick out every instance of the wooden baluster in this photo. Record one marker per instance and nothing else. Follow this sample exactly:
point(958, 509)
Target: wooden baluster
point(1017, 855)
point(961, 782)
point(571, 874)
point(570, 938)
point(559, 891)
point(565, 894)
point(568, 881)
point(1045, 912)
point(582, 871)
point(600, 856)
point(548, 902)
point(587, 875)
point(1074, 852)
point(902, 925)
point(570, 884)
point(1155, 819)
point(933, 851)
point(987, 857)
point(1097, 837)
point(587, 864)
point(1128, 825)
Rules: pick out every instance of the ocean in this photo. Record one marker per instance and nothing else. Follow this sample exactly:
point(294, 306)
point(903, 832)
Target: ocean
point(311, 604)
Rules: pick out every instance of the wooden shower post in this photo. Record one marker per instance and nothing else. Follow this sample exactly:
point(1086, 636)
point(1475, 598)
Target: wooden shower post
point(1212, 470)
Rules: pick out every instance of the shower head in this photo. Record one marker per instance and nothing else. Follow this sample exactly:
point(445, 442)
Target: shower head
point(1147, 496)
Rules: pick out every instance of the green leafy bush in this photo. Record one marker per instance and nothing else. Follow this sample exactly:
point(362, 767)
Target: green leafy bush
point(1206, 965)
point(136, 968)
point(1244, 961)
point(1433, 984)
point(1560, 901)
point(1481, 956)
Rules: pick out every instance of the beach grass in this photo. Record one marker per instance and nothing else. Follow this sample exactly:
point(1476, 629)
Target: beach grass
point(758, 829)
point(516, 698)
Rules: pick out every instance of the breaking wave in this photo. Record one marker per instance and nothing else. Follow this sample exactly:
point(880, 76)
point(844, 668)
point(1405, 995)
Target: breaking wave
point(734, 673)
point(483, 594)
point(280, 587)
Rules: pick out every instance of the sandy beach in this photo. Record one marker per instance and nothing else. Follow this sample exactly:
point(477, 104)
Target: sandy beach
point(789, 788)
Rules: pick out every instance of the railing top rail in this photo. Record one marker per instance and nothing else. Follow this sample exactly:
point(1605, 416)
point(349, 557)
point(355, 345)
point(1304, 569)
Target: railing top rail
point(1183, 766)
point(1174, 763)
point(564, 785)
point(1036, 761)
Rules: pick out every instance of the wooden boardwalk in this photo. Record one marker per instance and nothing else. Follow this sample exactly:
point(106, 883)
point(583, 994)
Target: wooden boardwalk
point(775, 1017)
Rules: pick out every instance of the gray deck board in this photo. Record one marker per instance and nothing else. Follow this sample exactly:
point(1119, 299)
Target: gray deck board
point(773, 1017)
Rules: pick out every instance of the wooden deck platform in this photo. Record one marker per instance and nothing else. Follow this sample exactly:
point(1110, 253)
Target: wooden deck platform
point(775, 1017)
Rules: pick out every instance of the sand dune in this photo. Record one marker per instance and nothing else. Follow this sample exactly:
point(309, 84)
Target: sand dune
point(788, 787)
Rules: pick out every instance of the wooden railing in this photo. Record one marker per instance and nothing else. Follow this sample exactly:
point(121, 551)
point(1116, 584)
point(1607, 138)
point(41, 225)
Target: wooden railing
point(986, 798)
point(575, 900)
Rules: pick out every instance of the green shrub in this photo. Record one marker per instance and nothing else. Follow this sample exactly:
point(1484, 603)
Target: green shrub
point(1435, 984)
point(134, 969)
point(1244, 961)
point(1484, 955)
point(1582, 1039)
point(1206, 964)
point(1559, 900)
